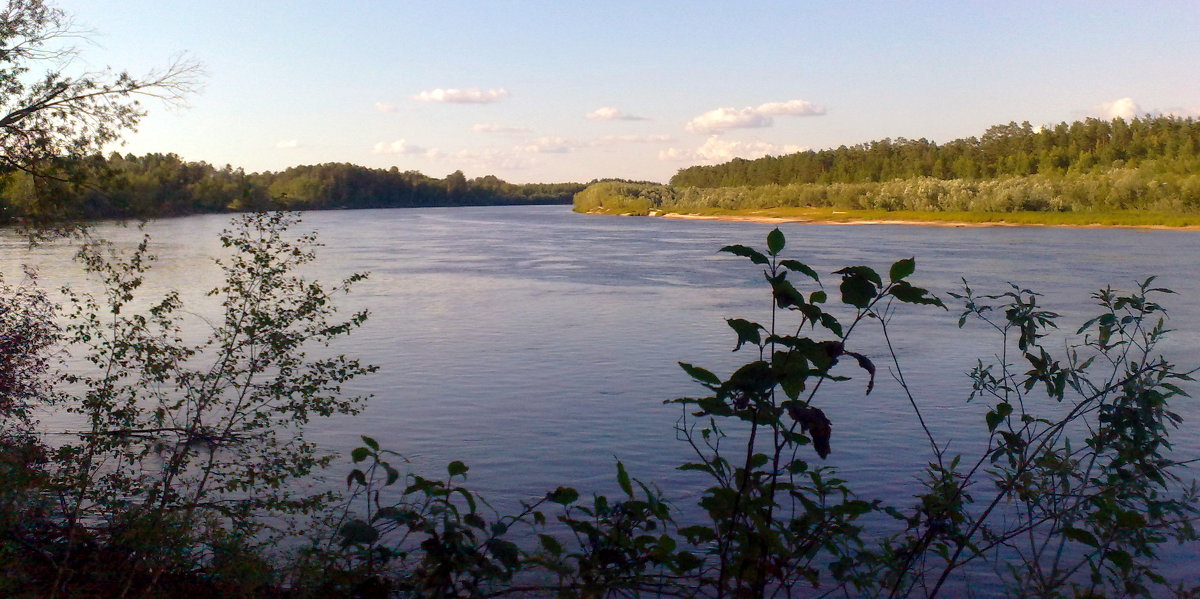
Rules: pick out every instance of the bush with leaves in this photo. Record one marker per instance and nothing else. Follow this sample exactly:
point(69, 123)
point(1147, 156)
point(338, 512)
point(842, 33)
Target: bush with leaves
point(437, 538)
point(28, 334)
point(189, 450)
point(1077, 490)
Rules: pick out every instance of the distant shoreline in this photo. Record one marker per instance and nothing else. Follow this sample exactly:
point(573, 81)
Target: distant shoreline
point(850, 219)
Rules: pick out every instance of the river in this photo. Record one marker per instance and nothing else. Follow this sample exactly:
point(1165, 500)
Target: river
point(537, 345)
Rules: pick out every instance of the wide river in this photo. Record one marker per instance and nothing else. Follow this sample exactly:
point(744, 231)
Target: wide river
point(537, 344)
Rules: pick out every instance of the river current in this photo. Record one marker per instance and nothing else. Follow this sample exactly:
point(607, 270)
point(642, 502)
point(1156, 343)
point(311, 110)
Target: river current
point(538, 345)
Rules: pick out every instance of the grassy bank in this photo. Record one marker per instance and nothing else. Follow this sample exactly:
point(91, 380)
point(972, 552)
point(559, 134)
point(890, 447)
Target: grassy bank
point(1118, 199)
point(1123, 218)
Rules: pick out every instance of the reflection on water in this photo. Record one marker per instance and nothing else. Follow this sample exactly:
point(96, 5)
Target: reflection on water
point(536, 344)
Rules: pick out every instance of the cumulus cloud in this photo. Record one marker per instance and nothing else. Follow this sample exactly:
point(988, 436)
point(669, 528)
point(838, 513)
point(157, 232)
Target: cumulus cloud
point(462, 96)
point(385, 107)
point(1124, 108)
point(494, 128)
point(287, 144)
point(608, 113)
point(750, 117)
point(728, 118)
point(715, 149)
point(399, 146)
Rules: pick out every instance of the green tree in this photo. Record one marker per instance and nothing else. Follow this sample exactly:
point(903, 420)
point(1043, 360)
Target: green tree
point(50, 111)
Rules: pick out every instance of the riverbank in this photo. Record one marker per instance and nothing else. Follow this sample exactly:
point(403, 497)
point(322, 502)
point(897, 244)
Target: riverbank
point(827, 216)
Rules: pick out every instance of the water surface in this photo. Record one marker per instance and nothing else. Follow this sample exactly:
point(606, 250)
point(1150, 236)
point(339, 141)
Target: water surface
point(537, 345)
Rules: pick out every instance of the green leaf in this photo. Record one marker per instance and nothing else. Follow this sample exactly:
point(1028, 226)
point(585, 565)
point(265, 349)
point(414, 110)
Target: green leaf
point(685, 561)
point(1131, 519)
point(550, 544)
point(915, 295)
point(471, 505)
point(902, 268)
point(740, 250)
point(563, 495)
point(828, 321)
point(505, 551)
point(747, 332)
point(370, 443)
point(861, 271)
point(357, 532)
point(857, 291)
point(993, 420)
point(996, 416)
point(456, 468)
point(356, 476)
point(623, 479)
point(359, 454)
point(802, 268)
point(1120, 559)
point(698, 534)
point(700, 374)
point(866, 364)
point(775, 241)
point(1080, 535)
point(857, 507)
point(785, 293)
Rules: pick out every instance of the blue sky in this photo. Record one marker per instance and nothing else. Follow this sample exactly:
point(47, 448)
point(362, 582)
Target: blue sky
point(507, 87)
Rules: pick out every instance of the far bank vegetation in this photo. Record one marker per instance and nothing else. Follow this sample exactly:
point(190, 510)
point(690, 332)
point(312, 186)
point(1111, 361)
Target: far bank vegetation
point(1147, 165)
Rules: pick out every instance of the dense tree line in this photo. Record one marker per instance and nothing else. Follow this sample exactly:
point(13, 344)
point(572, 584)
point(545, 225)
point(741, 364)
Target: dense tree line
point(1111, 190)
point(1164, 144)
point(166, 185)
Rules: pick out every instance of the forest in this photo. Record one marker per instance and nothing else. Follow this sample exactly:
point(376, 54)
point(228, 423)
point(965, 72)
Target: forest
point(1108, 172)
point(157, 185)
point(1163, 145)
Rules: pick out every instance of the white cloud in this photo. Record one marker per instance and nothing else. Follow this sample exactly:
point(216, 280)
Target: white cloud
point(715, 150)
point(462, 96)
point(1124, 108)
point(288, 144)
point(608, 113)
point(720, 119)
point(750, 117)
point(494, 128)
point(399, 146)
point(385, 107)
